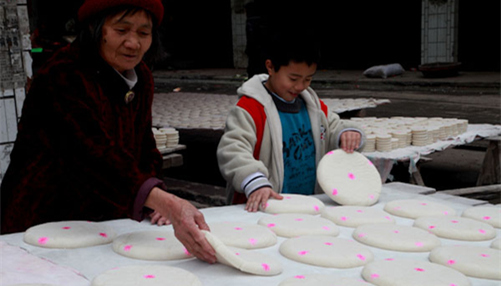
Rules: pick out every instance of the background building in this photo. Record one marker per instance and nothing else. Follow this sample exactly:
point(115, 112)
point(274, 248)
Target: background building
point(353, 34)
point(215, 34)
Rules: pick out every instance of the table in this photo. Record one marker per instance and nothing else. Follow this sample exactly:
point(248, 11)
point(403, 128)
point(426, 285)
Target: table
point(384, 161)
point(170, 157)
point(491, 170)
point(92, 261)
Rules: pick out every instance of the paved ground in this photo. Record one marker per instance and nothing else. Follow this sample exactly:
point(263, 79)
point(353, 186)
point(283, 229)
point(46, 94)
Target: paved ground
point(472, 96)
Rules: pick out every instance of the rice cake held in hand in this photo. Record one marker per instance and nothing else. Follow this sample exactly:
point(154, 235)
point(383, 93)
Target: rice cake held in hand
point(146, 275)
point(292, 225)
point(294, 203)
point(69, 234)
point(398, 272)
point(455, 227)
point(349, 179)
point(150, 245)
point(248, 261)
point(473, 261)
point(353, 216)
point(413, 208)
point(326, 251)
point(243, 235)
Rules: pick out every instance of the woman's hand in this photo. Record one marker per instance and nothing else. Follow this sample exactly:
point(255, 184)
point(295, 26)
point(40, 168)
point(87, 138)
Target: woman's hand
point(186, 220)
point(350, 141)
point(157, 218)
point(259, 198)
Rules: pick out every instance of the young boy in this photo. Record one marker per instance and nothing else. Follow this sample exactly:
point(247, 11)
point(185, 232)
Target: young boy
point(279, 130)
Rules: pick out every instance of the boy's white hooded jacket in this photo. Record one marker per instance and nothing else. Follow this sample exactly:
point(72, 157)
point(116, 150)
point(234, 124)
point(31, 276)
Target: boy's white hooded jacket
point(236, 150)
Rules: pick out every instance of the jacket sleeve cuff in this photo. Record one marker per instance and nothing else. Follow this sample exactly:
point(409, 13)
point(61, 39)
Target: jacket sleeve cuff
point(351, 129)
point(253, 182)
point(140, 211)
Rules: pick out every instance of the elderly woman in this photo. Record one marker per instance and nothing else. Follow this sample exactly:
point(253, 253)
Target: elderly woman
point(85, 148)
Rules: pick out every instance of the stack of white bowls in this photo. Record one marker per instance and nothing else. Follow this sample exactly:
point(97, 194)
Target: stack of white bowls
point(172, 136)
point(370, 143)
point(166, 137)
point(420, 136)
point(383, 142)
point(160, 138)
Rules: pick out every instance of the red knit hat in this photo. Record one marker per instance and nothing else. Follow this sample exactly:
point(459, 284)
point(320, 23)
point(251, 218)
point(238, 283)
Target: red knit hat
point(92, 7)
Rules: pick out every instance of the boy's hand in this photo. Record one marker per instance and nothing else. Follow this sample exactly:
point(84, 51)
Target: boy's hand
point(350, 141)
point(259, 198)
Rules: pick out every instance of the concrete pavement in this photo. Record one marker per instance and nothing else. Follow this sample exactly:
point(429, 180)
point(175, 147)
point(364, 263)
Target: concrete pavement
point(471, 95)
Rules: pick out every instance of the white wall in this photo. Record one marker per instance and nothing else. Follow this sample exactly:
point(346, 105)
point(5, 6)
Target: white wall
point(15, 68)
point(238, 22)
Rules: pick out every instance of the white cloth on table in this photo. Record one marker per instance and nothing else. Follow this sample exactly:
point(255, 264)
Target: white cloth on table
point(92, 261)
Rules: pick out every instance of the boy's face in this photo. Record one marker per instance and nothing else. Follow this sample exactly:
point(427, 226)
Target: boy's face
point(289, 81)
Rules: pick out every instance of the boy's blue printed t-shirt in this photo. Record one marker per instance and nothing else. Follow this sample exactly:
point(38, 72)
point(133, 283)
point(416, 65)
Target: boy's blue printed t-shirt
point(298, 152)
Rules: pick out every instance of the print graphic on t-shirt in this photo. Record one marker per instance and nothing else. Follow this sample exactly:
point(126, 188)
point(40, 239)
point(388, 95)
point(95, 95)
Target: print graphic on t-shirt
point(298, 143)
point(299, 161)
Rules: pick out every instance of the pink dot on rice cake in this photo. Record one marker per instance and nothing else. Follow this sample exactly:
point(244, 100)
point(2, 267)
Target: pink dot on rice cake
point(396, 237)
point(292, 225)
point(395, 271)
point(353, 216)
point(473, 261)
point(243, 235)
point(69, 234)
point(326, 251)
point(455, 227)
point(413, 208)
point(294, 203)
point(487, 214)
point(150, 245)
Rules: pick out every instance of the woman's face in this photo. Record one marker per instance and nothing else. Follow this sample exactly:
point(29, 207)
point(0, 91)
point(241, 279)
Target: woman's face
point(126, 39)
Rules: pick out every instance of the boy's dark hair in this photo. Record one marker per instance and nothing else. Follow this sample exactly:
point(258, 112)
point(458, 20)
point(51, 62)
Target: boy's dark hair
point(284, 48)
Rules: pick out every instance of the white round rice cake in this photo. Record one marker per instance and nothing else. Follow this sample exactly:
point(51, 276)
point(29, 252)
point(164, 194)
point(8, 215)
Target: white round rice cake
point(69, 234)
point(294, 203)
point(150, 245)
point(455, 227)
point(292, 225)
point(248, 261)
point(398, 272)
point(413, 209)
point(473, 261)
point(490, 215)
point(243, 235)
point(146, 275)
point(353, 216)
point(396, 237)
point(349, 178)
point(326, 251)
point(322, 280)
point(496, 244)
